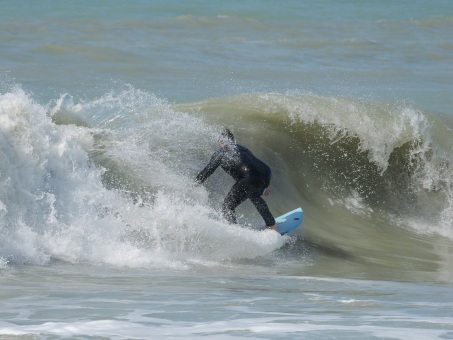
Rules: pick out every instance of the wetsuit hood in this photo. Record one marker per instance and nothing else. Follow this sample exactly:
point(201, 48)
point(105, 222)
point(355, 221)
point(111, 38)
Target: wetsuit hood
point(226, 137)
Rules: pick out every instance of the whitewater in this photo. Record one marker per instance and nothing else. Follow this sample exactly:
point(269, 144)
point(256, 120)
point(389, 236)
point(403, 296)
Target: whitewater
point(108, 112)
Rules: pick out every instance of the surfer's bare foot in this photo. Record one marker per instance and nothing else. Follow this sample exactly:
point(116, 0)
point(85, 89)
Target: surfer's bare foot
point(272, 227)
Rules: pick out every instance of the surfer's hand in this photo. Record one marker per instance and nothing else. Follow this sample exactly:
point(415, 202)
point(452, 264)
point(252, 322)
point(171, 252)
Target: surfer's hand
point(267, 192)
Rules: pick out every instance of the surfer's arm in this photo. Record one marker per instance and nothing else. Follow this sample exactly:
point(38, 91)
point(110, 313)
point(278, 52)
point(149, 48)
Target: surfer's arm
point(213, 164)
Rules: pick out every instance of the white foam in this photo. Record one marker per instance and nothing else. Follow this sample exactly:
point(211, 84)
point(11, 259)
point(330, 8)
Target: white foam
point(249, 328)
point(53, 202)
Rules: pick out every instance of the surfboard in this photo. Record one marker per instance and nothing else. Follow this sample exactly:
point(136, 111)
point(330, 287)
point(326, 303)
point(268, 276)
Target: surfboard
point(290, 221)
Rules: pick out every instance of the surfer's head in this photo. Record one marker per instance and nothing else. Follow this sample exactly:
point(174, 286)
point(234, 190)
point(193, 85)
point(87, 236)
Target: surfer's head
point(226, 137)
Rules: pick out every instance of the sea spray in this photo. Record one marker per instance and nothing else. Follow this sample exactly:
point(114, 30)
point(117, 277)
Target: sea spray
point(108, 193)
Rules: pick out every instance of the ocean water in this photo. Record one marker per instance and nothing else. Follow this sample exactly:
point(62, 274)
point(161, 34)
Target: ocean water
point(109, 109)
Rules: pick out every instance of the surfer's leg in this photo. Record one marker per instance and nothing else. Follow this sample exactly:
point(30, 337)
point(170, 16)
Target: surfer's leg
point(263, 209)
point(235, 196)
point(255, 189)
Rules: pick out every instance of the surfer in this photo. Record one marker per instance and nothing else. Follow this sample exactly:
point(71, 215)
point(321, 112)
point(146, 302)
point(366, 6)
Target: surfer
point(252, 177)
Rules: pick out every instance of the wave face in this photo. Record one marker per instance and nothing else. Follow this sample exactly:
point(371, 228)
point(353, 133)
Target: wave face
point(110, 181)
point(393, 158)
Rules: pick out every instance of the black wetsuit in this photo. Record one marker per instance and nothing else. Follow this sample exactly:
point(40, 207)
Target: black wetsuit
point(252, 177)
